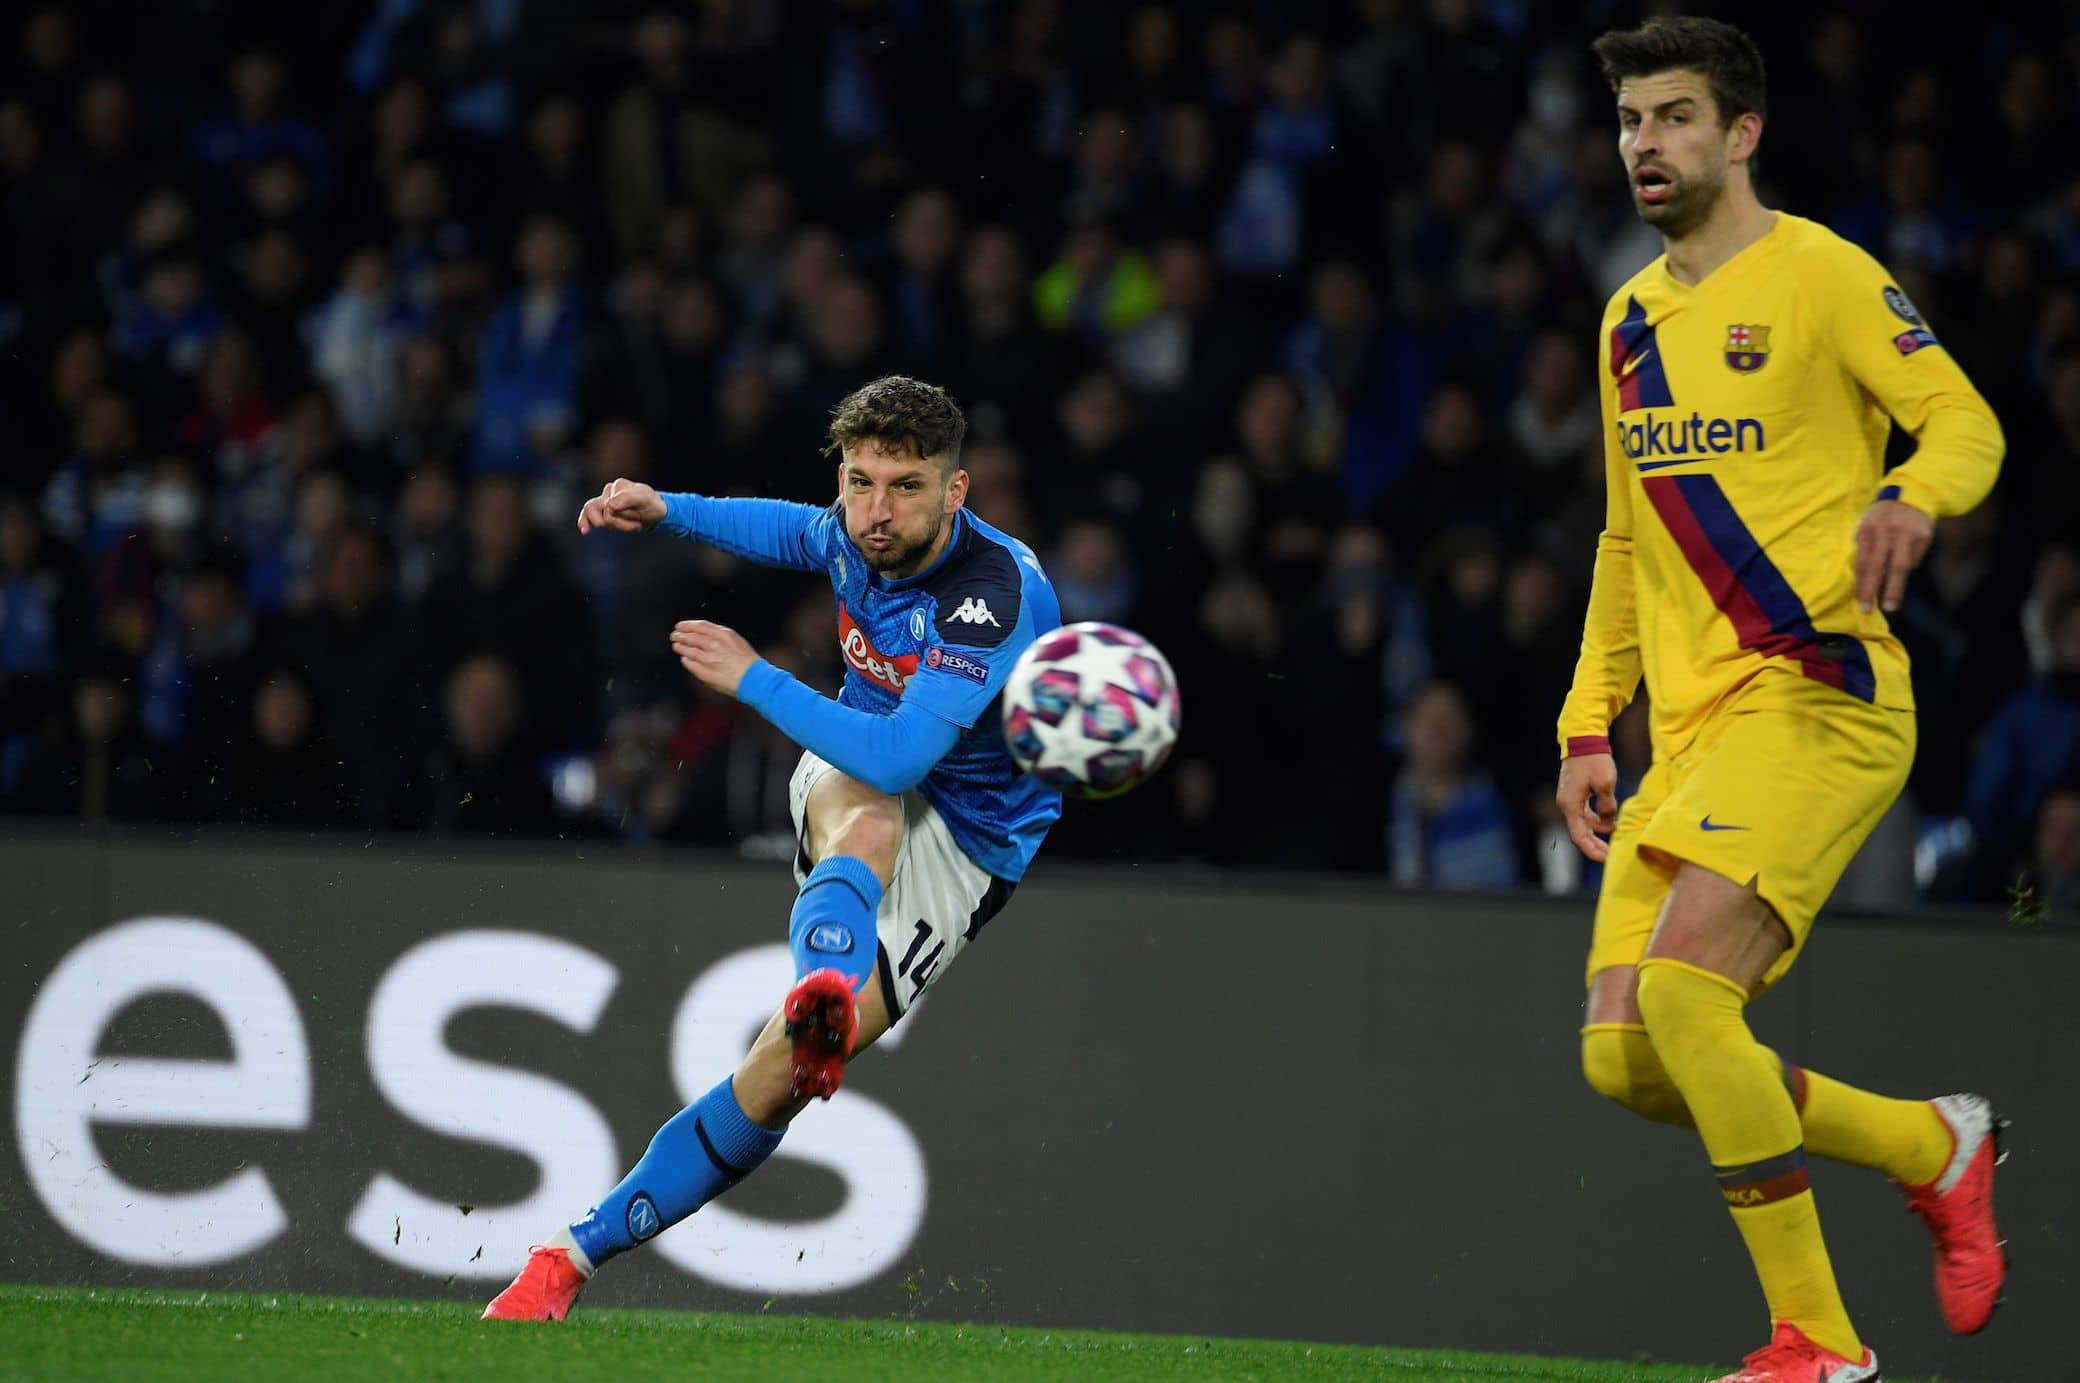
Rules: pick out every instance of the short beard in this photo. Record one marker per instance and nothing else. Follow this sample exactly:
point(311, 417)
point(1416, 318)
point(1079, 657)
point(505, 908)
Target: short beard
point(898, 561)
point(1690, 208)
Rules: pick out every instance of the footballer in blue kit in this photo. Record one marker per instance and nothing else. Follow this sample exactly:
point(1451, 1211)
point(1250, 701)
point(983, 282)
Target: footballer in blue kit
point(913, 823)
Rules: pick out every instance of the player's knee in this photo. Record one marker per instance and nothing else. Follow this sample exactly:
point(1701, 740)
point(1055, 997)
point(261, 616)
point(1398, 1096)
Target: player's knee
point(1605, 1067)
point(1620, 1064)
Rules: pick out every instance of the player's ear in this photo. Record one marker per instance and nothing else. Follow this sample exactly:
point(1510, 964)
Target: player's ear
point(956, 490)
point(1747, 134)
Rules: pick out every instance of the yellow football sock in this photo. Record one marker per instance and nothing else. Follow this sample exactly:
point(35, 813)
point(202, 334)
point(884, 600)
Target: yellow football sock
point(1905, 1139)
point(1734, 1088)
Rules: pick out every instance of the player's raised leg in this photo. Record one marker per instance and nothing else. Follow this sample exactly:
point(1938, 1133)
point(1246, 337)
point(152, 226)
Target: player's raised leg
point(1940, 1152)
point(1715, 942)
point(855, 834)
point(1910, 1141)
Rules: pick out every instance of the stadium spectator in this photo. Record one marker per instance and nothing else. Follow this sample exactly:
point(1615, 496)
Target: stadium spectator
point(1098, 287)
point(273, 294)
point(427, 531)
point(552, 175)
point(1448, 825)
point(655, 357)
point(355, 338)
point(111, 164)
point(259, 129)
point(507, 591)
point(39, 610)
point(353, 648)
point(429, 423)
point(479, 781)
point(165, 332)
point(1960, 627)
point(1005, 370)
point(923, 298)
point(1189, 356)
point(2055, 864)
point(527, 374)
point(194, 684)
point(2057, 575)
point(279, 771)
point(2032, 743)
point(93, 765)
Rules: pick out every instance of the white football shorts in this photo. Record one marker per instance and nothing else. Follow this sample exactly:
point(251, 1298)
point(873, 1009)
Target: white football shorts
point(935, 905)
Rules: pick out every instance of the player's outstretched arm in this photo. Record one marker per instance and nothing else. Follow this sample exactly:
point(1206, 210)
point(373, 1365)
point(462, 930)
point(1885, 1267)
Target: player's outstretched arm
point(771, 532)
point(890, 753)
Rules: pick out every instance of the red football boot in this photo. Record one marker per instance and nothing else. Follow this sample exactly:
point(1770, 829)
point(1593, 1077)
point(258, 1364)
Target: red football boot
point(822, 1017)
point(544, 1290)
point(1957, 1207)
point(1790, 1357)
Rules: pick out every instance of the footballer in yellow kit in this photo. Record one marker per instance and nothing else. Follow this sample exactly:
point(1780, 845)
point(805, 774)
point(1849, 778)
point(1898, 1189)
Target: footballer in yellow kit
point(1753, 542)
point(1747, 420)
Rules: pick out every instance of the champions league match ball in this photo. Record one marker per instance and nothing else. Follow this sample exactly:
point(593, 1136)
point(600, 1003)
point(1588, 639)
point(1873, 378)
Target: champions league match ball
point(1091, 710)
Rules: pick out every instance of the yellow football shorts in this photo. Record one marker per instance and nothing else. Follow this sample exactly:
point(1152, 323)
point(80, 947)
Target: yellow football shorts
point(1782, 793)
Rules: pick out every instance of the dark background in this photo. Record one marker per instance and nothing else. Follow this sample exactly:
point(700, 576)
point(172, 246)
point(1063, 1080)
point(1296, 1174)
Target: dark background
point(1275, 324)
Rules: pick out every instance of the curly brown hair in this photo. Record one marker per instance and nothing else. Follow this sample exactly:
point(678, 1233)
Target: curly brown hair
point(896, 413)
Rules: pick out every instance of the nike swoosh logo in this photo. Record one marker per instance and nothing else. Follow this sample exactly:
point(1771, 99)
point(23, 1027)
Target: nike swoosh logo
point(1633, 362)
point(1710, 825)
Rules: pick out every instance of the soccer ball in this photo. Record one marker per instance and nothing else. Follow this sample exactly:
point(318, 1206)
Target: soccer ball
point(1091, 710)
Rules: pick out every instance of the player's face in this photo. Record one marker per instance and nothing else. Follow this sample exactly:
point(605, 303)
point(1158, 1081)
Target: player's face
point(1677, 152)
point(897, 506)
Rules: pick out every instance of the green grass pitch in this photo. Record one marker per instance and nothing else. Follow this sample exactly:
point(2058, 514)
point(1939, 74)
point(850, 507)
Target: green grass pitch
point(72, 1333)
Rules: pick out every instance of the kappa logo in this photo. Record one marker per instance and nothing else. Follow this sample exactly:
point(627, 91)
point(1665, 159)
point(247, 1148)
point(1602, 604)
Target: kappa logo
point(974, 610)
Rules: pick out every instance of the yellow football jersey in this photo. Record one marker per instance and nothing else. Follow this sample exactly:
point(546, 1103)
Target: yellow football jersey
point(1745, 424)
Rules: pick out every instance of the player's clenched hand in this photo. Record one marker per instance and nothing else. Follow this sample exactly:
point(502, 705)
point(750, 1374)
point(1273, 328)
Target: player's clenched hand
point(626, 506)
point(715, 654)
point(1588, 798)
point(1890, 543)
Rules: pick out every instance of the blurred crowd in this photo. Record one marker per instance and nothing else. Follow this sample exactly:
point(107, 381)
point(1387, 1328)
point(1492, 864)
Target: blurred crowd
point(1275, 326)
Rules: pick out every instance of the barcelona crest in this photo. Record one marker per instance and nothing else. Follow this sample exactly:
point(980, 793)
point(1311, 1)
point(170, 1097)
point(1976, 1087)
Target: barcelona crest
point(1747, 348)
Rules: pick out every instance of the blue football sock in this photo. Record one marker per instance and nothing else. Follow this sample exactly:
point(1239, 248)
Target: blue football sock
point(702, 1151)
point(833, 923)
